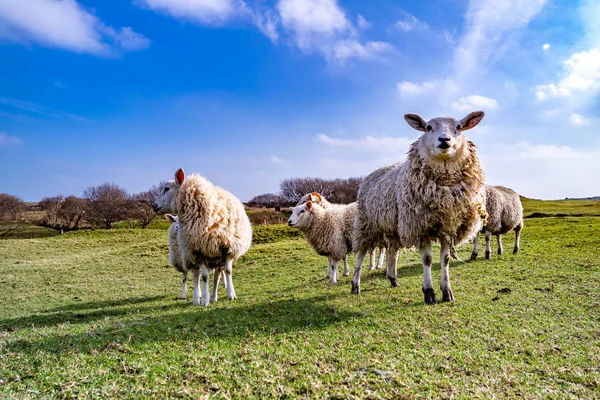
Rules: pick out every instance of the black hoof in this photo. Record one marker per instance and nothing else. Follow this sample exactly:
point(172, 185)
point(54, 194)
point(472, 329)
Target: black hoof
point(429, 296)
point(515, 251)
point(499, 252)
point(355, 289)
point(394, 282)
point(474, 256)
point(488, 255)
point(447, 295)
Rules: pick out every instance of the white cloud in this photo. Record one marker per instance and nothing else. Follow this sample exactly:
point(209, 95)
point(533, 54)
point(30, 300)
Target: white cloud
point(307, 17)
point(205, 11)
point(362, 22)
point(345, 49)
point(475, 102)
point(322, 26)
point(129, 40)
point(577, 119)
point(546, 46)
point(582, 74)
point(406, 88)
point(553, 171)
point(36, 109)
point(66, 25)
point(382, 144)
point(267, 24)
point(276, 160)
point(6, 140)
point(491, 26)
point(410, 23)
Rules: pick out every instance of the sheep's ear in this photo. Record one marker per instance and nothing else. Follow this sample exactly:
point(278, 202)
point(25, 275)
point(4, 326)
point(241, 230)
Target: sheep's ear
point(471, 120)
point(170, 217)
point(179, 176)
point(309, 205)
point(416, 122)
point(316, 196)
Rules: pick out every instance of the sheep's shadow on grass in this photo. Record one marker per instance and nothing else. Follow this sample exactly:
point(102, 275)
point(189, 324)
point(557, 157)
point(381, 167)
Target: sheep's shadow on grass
point(206, 324)
point(80, 313)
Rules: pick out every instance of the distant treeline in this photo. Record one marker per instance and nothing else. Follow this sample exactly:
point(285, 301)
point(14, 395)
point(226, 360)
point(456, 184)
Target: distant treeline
point(100, 207)
point(342, 191)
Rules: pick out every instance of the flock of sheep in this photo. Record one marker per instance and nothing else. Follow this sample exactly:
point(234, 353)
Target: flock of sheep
point(437, 194)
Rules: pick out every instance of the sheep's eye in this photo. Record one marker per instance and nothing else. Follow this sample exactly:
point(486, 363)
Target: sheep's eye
point(166, 189)
point(458, 127)
point(429, 128)
point(301, 211)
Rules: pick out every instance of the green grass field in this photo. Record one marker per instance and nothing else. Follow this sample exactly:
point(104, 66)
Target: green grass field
point(93, 314)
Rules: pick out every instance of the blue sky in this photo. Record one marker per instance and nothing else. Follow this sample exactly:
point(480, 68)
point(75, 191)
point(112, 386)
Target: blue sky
point(250, 92)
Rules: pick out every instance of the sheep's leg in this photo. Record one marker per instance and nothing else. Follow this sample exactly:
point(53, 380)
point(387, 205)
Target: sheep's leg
point(346, 267)
point(488, 246)
point(196, 296)
point(475, 247)
point(205, 274)
point(360, 257)
point(518, 229)
point(224, 278)
point(426, 258)
point(371, 259)
point(216, 278)
point(183, 294)
point(500, 249)
point(381, 256)
point(228, 271)
point(392, 262)
point(445, 275)
point(333, 265)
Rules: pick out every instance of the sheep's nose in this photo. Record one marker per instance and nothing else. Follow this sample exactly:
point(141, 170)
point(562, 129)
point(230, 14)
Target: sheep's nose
point(444, 139)
point(155, 207)
point(289, 222)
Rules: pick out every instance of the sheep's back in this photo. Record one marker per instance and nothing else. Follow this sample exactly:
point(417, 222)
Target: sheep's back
point(505, 210)
point(213, 222)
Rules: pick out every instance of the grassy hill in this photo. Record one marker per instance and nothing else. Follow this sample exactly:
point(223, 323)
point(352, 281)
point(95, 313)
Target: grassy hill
point(93, 314)
point(561, 208)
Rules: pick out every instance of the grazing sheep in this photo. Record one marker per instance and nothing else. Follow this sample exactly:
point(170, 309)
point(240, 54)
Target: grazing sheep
point(316, 198)
point(176, 261)
point(328, 231)
point(437, 194)
point(214, 230)
point(505, 213)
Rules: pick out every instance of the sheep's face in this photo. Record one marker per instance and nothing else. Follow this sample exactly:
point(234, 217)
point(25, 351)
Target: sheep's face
point(300, 217)
point(165, 202)
point(442, 137)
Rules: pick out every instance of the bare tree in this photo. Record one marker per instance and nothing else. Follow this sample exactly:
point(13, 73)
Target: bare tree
point(266, 200)
point(106, 204)
point(52, 206)
point(139, 208)
point(72, 211)
point(11, 207)
point(341, 191)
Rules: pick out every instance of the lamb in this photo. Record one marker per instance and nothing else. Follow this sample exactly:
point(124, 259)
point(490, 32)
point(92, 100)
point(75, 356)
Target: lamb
point(175, 256)
point(437, 194)
point(505, 213)
point(316, 198)
point(214, 230)
point(329, 231)
point(175, 253)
